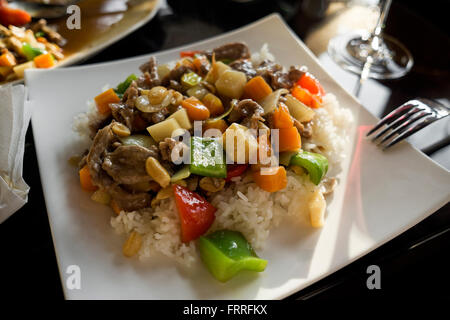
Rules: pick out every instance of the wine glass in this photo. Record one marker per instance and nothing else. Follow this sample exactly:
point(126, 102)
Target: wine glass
point(372, 54)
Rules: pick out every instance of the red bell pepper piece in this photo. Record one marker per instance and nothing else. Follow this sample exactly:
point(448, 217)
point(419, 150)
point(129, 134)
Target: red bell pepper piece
point(12, 16)
point(196, 214)
point(185, 54)
point(235, 170)
point(310, 83)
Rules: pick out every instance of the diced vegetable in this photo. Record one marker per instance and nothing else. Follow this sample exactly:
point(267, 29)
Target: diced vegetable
point(181, 174)
point(44, 61)
point(235, 170)
point(115, 207)
point(163, 70)
point(132, 245)
point(101, 196)
point(185, 62)
point(289, 139)
point(11, 16)
point(217, 69)
point(219, 124)
point(226, 252)
point(197, 91)
point(306, 97)
point(157, 172)
point(207, 158)
point(138, 140)
point(214, 104)
point(210, 184)
point(285, 157)
point(190, 79)
point(281, 117)
point(239, 143)
point(310, 83)
point(271, 179)
point(270, 102)
point(104, 99)
point(4, 71)
point(257, 89)
point(298, 110)
point(195, 109)
point(200, 63)
point(316, 164)
point(182, 118)
point(184, 54)
point(196, 214)
point(317, 206)
point(85, 179)
point(7, 60)
point(164, 129)
point(39, 34)
point(31, 52)
point(19, 69)
point(231, 84)
point(123, 86)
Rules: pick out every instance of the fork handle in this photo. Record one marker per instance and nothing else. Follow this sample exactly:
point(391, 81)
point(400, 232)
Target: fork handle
point(436, 146)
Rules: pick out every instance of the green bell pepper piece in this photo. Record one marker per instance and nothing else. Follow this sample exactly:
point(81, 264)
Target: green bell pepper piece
point(316, 164)
point(123, 86)
point(181, 174)
point(227, 252)
point(207, 158)
point(39, 34)
point(31, 52)
point(190, 79)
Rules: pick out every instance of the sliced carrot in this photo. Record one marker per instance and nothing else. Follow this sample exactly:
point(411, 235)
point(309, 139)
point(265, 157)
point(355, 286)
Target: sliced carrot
point(309, 99)
point(214, 104)
point(7, 60)
point(310, 83)
point(271, 179)
point(41, 40)
point(282, 118)
point(201, 64)
point(85, 179)
point(104, 99)
point(185, 62)
point(289, 139)
point(44, 61)
point(13, 16)
point(115, 207)
point(195, 108)
point(184, 54)
point(257, 88)
point(218, 124)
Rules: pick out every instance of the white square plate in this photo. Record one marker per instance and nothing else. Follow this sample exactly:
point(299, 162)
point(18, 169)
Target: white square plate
point(381, 194)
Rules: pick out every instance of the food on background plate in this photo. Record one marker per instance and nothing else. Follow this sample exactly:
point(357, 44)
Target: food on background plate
point(209, 152)
point(25, 44)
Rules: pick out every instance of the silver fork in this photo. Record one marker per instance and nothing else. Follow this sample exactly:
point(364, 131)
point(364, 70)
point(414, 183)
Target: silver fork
point(406, 120)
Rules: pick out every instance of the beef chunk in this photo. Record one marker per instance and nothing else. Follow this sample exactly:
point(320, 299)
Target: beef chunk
point(123, 114)
point(100, 146)
point(230, 51)
point(126, 164)
point(248, 112)
point(245, 66)
point(150, 77)
point(129, 201)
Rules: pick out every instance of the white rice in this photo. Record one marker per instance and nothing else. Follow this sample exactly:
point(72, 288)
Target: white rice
point(242, 206)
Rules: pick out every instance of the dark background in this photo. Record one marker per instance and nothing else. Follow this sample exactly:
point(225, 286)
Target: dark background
point(414, 264)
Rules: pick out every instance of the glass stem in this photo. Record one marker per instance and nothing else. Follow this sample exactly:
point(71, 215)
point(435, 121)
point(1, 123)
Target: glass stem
point(382, 18)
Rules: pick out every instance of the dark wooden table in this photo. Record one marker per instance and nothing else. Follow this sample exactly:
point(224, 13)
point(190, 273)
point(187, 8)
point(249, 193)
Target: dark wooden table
point(412, 265)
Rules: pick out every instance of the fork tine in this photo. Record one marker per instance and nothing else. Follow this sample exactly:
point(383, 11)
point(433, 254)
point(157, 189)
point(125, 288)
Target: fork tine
point(400, 129)
point(392, 116)
point(427, 121)
point(397, 122)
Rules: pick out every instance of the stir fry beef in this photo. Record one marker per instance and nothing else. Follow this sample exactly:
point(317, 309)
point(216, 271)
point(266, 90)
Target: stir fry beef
point(126, 164)
point(305, 130)
point(168, 145)
point(249, 112)
point(123, 114)
point(150, 77)
point(155, 117)
point(295, 73)
point(100, 146)
point(54, 36)
point(129, 201)
point(245, 66)
point(130, 95)
point(275, 76)
point(175, 75)
point(230, 51)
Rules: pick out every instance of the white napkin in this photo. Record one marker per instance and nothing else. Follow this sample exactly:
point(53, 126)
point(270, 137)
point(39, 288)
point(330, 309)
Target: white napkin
point(14, 120)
